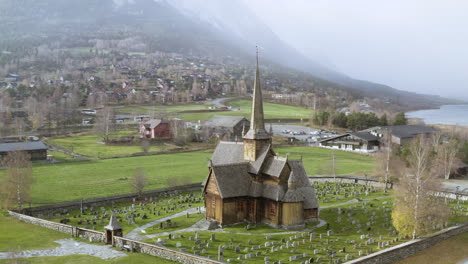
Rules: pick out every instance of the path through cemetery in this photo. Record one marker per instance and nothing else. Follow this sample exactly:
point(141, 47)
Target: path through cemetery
point(135, 233)
point(68, 247)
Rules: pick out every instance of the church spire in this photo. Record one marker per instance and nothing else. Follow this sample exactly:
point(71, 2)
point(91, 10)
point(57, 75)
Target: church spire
point(257, 123)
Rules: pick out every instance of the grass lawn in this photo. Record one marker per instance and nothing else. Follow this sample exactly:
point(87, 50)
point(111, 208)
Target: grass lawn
point(170, 109)
point(255, 229)
point(318, 161)
point(450, 251)
point(68, 181)
point(57, 155)
point(90, 145)
point(132, 258)
point(16, 235)
point(182, 223)
point(271, 111)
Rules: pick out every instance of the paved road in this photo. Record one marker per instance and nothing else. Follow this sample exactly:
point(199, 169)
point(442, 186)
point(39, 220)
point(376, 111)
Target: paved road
point(219, 103)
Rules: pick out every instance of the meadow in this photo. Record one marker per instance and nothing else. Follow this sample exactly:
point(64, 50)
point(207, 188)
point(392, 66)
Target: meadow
point(272, 111)
point(67, 181)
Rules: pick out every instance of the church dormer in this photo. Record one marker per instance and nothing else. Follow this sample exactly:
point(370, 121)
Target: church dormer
point(257, 137)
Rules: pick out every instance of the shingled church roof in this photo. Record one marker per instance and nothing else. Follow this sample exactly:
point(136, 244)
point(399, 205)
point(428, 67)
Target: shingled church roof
point(252, 169)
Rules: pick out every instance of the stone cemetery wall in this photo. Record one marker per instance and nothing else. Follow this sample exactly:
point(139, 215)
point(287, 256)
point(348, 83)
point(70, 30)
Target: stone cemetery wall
point(102, 201)
point(349, 179)
point(410, 248)
point(91, 235)
point(162, 252)
point(120, 242)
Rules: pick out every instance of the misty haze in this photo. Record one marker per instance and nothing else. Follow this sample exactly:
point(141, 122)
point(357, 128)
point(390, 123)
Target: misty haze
point(233, 131)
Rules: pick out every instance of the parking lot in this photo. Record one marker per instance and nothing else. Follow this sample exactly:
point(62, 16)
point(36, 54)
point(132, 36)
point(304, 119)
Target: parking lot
point(301, 133)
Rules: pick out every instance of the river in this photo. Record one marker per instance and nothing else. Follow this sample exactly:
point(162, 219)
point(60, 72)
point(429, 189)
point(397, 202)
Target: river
point(446, 115)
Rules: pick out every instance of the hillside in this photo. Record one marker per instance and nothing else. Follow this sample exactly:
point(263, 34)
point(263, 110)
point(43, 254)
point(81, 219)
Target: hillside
point(187, 27)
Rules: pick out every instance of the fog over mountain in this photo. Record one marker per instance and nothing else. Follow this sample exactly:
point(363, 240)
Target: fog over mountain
point(289, 34)
point(417, 45)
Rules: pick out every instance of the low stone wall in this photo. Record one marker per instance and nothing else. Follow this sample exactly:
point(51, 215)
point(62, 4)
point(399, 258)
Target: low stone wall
point(102, 201)
point(91, 235)
point(350, 179)
point(162, 252)
point(120, 242)
point(408, 249)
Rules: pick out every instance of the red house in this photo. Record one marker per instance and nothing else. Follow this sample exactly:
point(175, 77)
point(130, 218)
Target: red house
point(156, 128)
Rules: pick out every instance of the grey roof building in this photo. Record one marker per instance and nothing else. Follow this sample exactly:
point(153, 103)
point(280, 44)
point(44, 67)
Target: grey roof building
point(37, 149)
point(401, 134)
point(247, 181)
point(228, 128)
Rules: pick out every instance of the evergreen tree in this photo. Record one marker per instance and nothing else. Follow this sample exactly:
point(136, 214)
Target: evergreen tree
point(400, 119)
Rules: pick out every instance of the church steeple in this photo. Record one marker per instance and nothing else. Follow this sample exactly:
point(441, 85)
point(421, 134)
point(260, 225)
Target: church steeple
point(257, 137)
point(257, 123)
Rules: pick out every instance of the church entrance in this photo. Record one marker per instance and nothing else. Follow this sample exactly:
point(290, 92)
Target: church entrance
point(108, 237)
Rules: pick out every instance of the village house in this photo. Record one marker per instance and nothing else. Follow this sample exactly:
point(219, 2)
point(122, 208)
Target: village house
point(36, 149)
point(248, 182)
point(354, 141)
point(156, 128)
point(228, 128)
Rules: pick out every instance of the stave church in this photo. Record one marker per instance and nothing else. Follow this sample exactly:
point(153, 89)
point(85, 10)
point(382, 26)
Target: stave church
point(248, 182)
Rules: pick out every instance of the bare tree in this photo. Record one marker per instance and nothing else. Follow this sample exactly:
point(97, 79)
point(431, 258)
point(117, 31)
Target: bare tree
point(447, 158)
point(139, 181)
point(385, 157)
point(416, 210)
point(16, 187)
point(104, 123)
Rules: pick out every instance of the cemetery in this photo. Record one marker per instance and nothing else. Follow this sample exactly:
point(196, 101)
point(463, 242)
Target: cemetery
point(354, 221)
point(134, 214)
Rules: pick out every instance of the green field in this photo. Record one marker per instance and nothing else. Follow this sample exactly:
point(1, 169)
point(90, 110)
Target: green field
point(89, 145)
point(271, 110)
point(170, 109)
point(16, 235)
point(68, 181)
point(318, 161)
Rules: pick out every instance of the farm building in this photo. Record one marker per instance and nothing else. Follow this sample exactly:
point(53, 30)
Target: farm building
point(248, 182)
point(156, 128)
point(36, 149)
point(227, 128)
point(356, 141)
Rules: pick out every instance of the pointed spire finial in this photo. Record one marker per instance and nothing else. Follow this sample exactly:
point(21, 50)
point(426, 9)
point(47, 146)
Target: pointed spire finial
point(257, 125)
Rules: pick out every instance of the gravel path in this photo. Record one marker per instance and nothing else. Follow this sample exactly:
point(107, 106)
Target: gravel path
point(68, 247)
point(135, 233)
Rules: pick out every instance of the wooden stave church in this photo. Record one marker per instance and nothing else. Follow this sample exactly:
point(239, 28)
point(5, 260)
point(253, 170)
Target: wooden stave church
point(248, 182)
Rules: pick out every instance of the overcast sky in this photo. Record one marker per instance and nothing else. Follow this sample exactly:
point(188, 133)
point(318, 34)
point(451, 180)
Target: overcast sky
point(414, 45)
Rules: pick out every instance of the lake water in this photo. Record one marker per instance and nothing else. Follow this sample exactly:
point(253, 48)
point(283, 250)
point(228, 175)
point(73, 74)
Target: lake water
point(447, 114)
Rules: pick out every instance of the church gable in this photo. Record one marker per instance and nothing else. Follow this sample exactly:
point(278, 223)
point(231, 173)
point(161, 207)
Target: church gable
point(211, 185)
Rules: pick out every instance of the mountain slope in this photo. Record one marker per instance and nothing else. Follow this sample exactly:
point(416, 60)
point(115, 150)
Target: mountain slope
point(203, 27)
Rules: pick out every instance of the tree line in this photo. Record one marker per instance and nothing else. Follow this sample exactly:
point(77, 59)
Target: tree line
point(355, 121)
